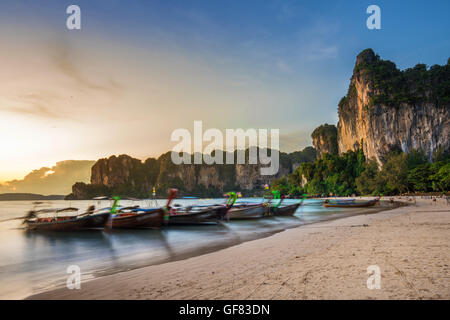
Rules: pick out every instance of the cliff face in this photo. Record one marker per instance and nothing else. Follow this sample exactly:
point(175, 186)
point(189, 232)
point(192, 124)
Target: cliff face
point(124, 175)
point(387, 109)
point(325, 139)
point(115, 171)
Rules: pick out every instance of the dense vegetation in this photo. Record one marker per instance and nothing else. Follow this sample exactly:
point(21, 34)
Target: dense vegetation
point(350, 173)
point(327, 133)
point(412, 86)
point(287, 160)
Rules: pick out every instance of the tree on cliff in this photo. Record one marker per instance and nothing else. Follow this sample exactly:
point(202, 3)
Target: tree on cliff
point(325, 139)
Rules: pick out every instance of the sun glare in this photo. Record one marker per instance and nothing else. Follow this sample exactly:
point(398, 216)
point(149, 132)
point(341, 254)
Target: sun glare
point(26, 143)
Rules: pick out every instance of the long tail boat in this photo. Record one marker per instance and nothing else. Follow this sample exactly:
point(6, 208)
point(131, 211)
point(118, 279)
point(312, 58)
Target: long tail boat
point(199, 214)
point(135, 217)
point(245, 210)
point(279, 210)
point(64, 223)
point(96, 219)
point(360, 204)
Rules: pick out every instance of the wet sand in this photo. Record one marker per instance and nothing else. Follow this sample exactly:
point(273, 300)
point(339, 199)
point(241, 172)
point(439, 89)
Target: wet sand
point(326, 260)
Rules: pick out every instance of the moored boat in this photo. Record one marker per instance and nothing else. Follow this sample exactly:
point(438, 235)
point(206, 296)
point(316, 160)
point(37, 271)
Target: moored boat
point(353, 204)
point(199, 214)
point(344, 201)
point(64, 223)
point(243, 211)
point(287, 210)
point(193, 215)
point(135, 217)
point(97, 219)
point(276, 208)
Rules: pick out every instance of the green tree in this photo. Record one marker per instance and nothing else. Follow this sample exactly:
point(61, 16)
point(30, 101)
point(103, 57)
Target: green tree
point(394, 174)
point(315, 187)
point(415, 158)
point(441, 179)
point(419, 178)
point(367, 182)
point(282, 185)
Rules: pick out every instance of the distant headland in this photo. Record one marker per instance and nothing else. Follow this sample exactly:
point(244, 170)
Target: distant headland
point(28, 197)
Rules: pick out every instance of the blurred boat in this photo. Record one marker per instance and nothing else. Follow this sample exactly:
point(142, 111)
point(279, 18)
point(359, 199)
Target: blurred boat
point(247, 210)
point(287, 210)
point(352, 204)
point(344, 201)
point(96, 219)
point(135, 217)
point(194, 214)
point(276, 208)
point(201, 214)
point(64, 223)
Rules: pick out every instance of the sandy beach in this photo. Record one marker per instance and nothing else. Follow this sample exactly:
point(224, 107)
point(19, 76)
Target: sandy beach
point(326, 260)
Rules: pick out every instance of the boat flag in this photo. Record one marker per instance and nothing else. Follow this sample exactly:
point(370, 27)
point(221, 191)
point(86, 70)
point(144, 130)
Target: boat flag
point(115, 204)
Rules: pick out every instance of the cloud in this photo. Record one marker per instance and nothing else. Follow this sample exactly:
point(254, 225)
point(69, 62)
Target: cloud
point(64, 63)
point(283, 66)
point(317, 41)
point(287, 11)
point(35, 110)
point(319, 51)
point(34, 104)
point(52, 180)
point(51, 96)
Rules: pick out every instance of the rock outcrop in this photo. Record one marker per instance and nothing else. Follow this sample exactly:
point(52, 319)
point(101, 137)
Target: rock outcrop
point(127, 176)
point(325, 139)
point(387, 109)
point(117, 171)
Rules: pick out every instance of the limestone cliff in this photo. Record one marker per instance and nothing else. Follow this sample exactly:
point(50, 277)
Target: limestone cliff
point(325, 139)
point(387, 109)
point(124, 175)
point(117, 171)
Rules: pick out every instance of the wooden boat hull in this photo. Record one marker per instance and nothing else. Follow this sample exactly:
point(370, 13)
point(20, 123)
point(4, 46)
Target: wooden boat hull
point(153, 219)
point(288, 210)
point(370, 203)
point(247, 212)
point(202, 217)
point(97, 221)
point(74, 224)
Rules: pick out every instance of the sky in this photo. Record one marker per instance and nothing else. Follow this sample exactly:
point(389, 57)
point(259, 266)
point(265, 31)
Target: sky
point(138, 70)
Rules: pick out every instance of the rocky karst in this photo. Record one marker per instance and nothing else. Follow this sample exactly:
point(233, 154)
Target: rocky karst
point(325, 139)
point(124, 175)
point(387, 109)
